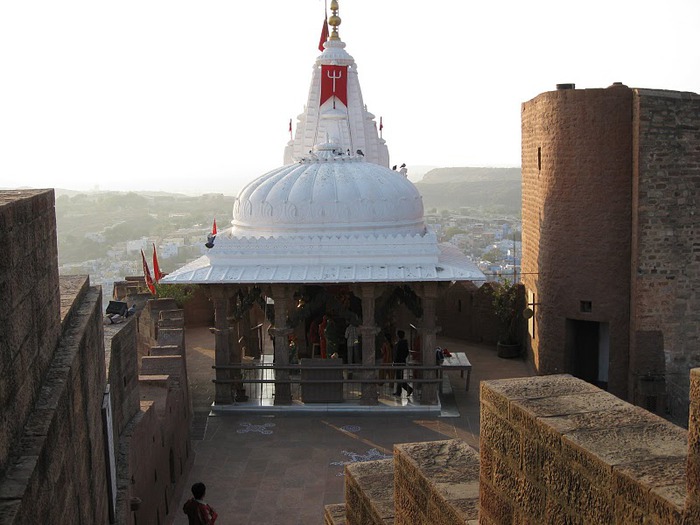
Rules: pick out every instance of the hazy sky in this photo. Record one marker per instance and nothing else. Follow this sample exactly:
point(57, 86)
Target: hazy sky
point(197, 96)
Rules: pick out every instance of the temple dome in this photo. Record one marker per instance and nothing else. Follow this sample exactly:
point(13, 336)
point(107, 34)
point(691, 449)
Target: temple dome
point(329, 193)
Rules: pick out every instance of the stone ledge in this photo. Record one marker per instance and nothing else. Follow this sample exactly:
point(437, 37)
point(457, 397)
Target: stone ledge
point(436, 482)
point(369, 492)
point(596, 456)
point(72, 289)
point(332, 515)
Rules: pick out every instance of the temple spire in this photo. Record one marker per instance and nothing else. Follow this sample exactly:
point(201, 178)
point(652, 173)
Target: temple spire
point(334, 21)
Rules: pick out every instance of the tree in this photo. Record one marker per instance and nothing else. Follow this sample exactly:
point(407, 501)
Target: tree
point(505, 298)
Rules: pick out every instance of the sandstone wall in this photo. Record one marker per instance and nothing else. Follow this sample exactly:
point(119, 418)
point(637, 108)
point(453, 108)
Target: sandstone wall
point(30, 322)
point(576, 168)
point(435, 483)
point(155, 448)
point(466, 312)
point(666, 249)
point(121, 360)
point(148, 322)
point(556, 449)
point(58, 465)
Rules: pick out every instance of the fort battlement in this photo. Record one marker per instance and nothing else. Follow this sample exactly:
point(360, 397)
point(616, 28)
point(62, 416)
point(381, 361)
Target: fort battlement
point(553, 449)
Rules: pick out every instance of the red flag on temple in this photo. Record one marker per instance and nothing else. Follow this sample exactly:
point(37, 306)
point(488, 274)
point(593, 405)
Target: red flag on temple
point(324, 34)
point(381, 124)
point(147, 275)
point(157, 274)
point(213, 228)
point(334, 83)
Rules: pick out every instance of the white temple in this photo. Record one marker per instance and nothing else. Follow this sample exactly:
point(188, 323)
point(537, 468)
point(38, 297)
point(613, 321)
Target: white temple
point(333, 214)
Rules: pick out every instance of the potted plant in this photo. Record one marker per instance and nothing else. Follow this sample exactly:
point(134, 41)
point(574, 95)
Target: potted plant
point(505, 298)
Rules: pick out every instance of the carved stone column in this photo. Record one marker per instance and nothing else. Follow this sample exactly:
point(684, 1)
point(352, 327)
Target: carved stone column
point(428, 333)
point(235, 350)
point(281, 295)
point(368, 330)
point(220, 299)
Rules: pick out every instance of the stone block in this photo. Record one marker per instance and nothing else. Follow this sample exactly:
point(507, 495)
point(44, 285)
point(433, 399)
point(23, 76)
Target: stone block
point(632, 482)
point(525, 411)
point(334, 514)
point(598, 450)
point(436, 482)
point(165, 350)
point(502, 437)
point(171, 336)
point(164, 365)
point(369, 492)
point(545, 386)
point(557, 513)
point(667, 503)
point(493, 505)
point(530, 498)
point(625, 512)
point(490, 399)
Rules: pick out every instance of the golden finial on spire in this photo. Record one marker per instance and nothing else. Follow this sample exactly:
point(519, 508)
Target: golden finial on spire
point(334, 21)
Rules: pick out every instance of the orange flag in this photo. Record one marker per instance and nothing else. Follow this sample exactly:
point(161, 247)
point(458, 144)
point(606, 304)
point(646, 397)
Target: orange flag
point(213, 228)
point(157, 274)
point(324, 34)
point(147, 275)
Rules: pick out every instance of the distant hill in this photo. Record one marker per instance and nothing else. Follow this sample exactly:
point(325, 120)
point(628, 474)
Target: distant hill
point(489, 189)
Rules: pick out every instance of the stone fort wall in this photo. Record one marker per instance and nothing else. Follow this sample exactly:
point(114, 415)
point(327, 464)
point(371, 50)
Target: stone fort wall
point(666, 249)
point(57, 360)
point(576, 167)
point(610, 182)
point(553, 449)
point(30, 313)
point(52, 375)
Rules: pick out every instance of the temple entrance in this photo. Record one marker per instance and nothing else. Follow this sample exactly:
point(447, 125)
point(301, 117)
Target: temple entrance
point(588, 350)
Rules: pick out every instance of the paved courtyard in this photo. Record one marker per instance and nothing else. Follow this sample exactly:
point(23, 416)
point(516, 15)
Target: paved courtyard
point(282, 468)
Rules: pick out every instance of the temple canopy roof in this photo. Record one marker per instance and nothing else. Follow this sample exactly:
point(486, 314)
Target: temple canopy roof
point(336, 214)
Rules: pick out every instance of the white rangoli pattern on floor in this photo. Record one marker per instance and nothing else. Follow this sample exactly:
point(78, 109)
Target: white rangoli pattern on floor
point(249, 427)
point(355, 457)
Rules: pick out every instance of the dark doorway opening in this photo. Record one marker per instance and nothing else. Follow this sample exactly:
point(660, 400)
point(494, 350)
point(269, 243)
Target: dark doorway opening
point(587, 349)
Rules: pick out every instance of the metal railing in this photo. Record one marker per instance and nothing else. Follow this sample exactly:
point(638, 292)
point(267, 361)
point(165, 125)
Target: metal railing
point(331, 383)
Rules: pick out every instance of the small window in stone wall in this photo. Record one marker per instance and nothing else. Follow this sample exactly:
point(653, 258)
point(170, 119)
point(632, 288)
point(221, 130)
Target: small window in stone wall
point(539, 159)
point(586, 307)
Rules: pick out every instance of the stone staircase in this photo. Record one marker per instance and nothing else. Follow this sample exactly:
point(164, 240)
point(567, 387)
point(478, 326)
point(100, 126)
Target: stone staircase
point(429, 483)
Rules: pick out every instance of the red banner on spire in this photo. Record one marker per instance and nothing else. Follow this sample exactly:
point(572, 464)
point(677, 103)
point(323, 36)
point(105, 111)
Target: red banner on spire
point(147, 275)
point(381, 123)
point(324, 34)
point(334, 83)
point(157, 274)
point(213, 228)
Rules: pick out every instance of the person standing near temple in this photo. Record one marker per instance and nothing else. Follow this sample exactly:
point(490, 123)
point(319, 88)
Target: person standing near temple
point(322, 336)
point(198, 512)
point(400, 357)
point(387, 357)
point(352, 337)
point(314, 338)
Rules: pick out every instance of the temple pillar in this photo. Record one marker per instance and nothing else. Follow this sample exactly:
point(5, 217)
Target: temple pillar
point(368, 330)
point(222, 356)
point(281, 295)
point(428, 334)
point(234, 350)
